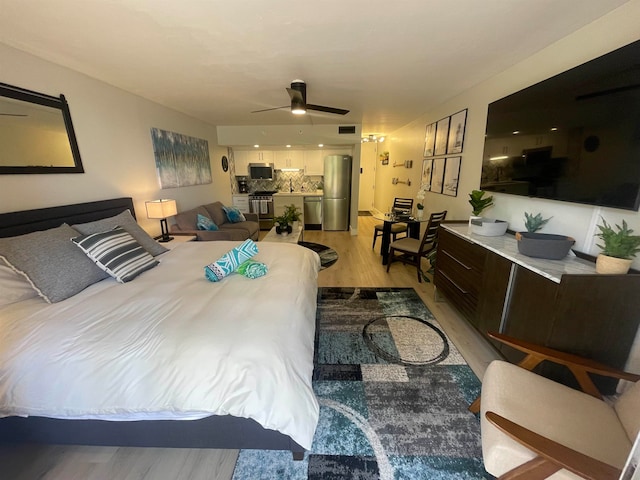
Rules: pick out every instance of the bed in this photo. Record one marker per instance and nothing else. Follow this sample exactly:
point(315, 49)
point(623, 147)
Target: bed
point(168, 359)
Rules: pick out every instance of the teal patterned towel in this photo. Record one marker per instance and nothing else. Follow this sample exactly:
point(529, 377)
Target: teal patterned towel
point(252, 269)
point(230, 261)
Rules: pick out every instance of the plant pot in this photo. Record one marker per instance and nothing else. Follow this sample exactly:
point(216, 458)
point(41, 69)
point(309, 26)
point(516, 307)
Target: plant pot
point(544, 245)
point(280, 230)
point(419, 213)
point(611, 265)
point(488, 227)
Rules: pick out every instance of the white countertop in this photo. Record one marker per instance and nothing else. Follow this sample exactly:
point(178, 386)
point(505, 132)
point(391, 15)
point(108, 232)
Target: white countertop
point(316, 193)
point(507, 246)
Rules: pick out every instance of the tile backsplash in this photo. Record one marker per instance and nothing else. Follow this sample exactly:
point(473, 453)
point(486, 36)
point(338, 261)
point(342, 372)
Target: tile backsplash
point(284, 182)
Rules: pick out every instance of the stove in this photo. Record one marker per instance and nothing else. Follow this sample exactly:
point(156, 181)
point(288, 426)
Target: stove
point(261, 203)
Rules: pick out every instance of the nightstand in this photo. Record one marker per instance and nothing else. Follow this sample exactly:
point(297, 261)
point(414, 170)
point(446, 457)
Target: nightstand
point(178, 239)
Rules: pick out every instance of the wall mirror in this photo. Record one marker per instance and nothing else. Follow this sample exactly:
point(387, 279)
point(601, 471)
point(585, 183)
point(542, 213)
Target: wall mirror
point(36, 133)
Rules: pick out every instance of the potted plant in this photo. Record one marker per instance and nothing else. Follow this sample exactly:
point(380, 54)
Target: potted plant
point(478, 203)
point(534, 223)
point(420, 197)
point(618, 249)
point(293, 214)
point(282, 227)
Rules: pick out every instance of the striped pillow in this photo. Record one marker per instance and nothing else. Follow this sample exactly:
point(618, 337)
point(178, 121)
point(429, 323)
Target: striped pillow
point(117, 253)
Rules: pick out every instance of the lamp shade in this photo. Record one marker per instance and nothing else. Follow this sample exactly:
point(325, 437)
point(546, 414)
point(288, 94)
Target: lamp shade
point(162, 208)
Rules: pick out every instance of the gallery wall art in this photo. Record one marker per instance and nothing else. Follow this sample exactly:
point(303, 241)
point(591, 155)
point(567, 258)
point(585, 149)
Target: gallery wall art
point(440, 170)
point(181, 161)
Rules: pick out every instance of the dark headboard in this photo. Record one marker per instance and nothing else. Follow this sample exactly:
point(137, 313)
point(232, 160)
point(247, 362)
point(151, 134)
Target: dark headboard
point(26, 221)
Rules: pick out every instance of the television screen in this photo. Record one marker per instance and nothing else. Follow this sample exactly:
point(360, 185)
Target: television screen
point(574, 137)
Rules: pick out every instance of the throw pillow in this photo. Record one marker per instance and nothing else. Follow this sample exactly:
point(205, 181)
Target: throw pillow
point(205, 223)
point(234, 215)
point(117, 253)
point(53, 265)
point(126, 221)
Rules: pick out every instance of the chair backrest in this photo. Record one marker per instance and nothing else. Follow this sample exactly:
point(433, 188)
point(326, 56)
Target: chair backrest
point(431, 233)
point(402, 205)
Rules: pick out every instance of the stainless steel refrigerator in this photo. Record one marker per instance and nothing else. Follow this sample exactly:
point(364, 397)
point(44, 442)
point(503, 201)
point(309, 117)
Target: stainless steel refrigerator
point(336, 202)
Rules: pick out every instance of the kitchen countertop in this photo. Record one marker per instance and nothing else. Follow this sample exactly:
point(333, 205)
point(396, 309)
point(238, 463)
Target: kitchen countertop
point(507, 246)
point(316, 193)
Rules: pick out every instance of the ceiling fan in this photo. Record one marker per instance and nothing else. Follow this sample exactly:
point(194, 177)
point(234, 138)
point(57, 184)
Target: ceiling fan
point(299, 105)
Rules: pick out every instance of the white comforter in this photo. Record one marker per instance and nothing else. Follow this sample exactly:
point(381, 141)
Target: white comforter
point(171, 344)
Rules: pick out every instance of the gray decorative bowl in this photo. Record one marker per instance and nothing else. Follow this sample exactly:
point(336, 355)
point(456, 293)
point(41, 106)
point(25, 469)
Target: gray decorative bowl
point(544, 245)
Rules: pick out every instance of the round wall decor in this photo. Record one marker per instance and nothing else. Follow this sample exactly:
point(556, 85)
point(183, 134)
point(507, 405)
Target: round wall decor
point(225, 163)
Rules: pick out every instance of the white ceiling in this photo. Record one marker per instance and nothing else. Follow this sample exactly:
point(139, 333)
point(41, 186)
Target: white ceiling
point(387, 62)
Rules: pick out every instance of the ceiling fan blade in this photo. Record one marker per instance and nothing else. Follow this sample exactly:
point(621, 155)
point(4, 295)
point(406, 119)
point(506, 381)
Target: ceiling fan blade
point(321, 108)
point(269, 109)
point(296, 95)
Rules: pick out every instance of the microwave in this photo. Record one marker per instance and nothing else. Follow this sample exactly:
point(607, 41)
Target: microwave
point(261, 171)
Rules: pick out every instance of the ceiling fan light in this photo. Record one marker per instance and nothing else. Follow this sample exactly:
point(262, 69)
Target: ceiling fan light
point(298, 107)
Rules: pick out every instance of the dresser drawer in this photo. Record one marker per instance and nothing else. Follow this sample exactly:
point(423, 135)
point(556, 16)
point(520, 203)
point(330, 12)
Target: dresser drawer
point(463, 299)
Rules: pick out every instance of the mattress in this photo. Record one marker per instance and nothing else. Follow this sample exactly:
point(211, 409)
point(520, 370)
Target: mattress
point(172, 345)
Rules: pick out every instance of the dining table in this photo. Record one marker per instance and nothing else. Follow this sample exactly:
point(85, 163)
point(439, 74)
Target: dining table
point(388, 219)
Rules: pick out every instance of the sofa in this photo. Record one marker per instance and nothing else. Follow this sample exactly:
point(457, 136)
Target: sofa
point(185, 223)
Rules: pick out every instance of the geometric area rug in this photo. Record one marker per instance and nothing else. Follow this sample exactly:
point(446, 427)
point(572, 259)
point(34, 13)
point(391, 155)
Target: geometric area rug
point(393, 393)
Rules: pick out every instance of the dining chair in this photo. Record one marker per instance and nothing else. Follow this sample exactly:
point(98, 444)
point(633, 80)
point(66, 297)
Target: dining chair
point(412, 250)
point(400, 205)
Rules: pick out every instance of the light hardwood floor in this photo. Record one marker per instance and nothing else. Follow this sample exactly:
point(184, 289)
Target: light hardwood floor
point(358, 266)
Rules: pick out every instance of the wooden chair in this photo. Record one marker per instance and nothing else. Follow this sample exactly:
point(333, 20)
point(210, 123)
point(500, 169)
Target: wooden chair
point(400, 205)
point(412, 250)
point(533, 427)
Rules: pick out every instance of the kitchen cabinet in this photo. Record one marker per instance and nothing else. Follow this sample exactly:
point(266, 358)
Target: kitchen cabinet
point(314, 162)
point(288, 159)
point(241, 202)
point(558, 304)
point(243, 158)
point(282, 200)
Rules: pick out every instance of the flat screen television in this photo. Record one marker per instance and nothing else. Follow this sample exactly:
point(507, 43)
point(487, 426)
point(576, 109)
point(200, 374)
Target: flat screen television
point(574, 137)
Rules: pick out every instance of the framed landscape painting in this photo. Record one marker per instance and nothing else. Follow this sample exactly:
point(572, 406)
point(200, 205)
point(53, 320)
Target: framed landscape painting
point(451, 176)
point(429, 140)
point(427, 167)
point(455, 142)
point(442, 134)
point(437, 175)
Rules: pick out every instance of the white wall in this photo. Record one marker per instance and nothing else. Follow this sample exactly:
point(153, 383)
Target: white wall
point(113, 132)
point(612, 31)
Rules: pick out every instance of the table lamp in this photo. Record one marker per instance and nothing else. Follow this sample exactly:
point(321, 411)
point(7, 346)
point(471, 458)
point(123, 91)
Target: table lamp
point(162, 209)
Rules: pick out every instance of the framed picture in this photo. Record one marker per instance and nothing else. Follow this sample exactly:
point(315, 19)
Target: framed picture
point(456, 132)
point(437, 175)
point(181, 160)
point(429, 140)
point(442, 133)
point(427, 167)
point(451, 176)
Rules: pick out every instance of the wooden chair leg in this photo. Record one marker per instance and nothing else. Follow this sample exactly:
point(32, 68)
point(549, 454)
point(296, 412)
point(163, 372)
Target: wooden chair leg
point(375, 236)
point(390, 259)
point(418, 260)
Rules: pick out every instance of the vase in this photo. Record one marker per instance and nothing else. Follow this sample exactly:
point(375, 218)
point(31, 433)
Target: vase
point(612, 265)
point(419, 213)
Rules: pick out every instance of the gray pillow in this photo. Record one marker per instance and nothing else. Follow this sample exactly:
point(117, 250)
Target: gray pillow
point(53, 264)
point(126, 221)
